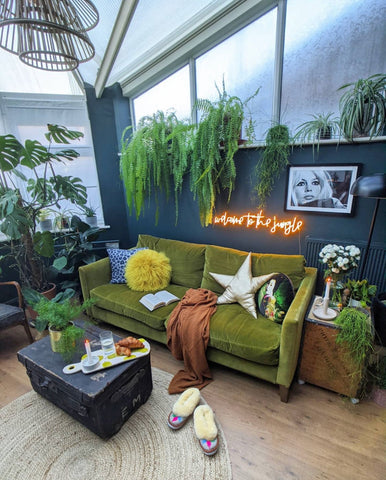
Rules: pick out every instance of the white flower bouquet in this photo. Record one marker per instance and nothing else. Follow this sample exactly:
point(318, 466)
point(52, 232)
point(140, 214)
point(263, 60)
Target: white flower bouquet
point(339, 259)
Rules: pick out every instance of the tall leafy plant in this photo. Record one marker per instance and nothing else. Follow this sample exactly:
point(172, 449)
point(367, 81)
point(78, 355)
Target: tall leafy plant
point(274, 160)
point(22, 198)
point(213, 169)
point(154, 158)
point(363, 107)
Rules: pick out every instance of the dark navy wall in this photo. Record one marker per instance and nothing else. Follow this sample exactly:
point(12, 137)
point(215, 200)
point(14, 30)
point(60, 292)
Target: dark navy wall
point(126, 227)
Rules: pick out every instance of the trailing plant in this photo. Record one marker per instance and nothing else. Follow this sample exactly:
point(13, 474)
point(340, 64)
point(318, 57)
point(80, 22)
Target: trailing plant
point(156, 154)
point(363, 107)
point(361, 291)
point(22, 199)
point(213, 169)
point(355, 333)
point(274, 160)
point(321, 127)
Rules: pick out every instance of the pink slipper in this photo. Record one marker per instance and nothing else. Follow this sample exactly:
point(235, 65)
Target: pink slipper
point(206, 430)
point(183, 408)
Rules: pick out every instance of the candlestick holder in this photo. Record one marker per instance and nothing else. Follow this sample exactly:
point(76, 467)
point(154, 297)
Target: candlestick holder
point(324, 312)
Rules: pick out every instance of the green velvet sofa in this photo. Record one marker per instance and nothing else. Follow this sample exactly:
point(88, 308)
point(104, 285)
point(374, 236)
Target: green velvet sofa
point(258, 347)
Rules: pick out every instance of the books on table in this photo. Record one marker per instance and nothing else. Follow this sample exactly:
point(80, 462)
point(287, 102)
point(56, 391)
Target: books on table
point(155, 300)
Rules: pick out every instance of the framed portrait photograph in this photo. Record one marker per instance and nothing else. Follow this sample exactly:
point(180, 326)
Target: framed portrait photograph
point(321, 188)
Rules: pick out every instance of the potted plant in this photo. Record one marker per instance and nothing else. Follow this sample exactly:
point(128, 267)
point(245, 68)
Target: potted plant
point(72, 250)
point(363, 107)
point(155, 155)
point(90, 215)
point(355, 333)
point(45, 220)
point(273, 161)
point(58, 314)
point(321, 127)
point(359, 292)
point(213, 169)
point(22, 199)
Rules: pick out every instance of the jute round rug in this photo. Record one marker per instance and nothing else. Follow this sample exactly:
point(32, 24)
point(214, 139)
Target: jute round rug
point(39, 441)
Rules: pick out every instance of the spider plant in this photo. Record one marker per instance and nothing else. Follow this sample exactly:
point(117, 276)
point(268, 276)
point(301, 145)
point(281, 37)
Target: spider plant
point(363, 107)
point(321, 127)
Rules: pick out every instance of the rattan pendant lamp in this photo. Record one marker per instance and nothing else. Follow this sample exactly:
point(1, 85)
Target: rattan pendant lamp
point(48, 34)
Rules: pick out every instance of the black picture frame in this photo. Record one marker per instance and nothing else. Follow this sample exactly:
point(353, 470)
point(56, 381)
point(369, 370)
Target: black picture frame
point(321, 189)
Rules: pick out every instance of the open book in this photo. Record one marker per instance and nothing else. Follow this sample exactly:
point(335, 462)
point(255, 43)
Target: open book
point(155, 300)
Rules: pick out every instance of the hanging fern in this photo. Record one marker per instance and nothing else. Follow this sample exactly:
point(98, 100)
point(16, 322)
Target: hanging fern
point(156, 154)
point(273, 161)
point(214, 170)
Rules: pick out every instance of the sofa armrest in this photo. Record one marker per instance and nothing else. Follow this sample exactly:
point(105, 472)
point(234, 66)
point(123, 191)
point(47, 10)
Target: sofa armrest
point(93, 275)
point(292, 326)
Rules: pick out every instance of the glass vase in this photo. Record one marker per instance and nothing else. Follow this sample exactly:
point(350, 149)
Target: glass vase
point(336, 293)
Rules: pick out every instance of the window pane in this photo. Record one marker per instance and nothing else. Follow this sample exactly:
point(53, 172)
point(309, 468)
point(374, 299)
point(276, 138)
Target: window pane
point(170, 94)
point(246, 62)
point(335, 43)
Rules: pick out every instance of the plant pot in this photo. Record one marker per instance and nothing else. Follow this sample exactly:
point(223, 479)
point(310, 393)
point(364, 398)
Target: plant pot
point(354, 303)
point(54, 339)
point(92, 221)
point(49, 294)
point(46, 225)
point(324, 133)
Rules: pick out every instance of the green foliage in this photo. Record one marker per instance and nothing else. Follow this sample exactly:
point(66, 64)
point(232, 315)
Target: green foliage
point(361, 290)
point(155, 155)
point(355, 333)
point(273, 161)
point(20, 209)
point(214, 170)
point(363, 107)
point(322, 126)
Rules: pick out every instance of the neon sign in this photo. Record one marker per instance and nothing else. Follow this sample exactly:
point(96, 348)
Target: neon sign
point(259, 220)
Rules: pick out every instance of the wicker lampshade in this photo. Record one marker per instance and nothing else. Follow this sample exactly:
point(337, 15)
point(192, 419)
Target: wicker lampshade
point(48, 34)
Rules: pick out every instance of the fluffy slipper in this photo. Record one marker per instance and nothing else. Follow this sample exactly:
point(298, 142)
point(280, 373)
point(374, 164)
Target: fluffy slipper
point(183, 408)
point(206, 430)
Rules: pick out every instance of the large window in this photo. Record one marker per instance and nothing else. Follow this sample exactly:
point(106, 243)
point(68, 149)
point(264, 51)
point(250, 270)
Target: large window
point(27, 116)
point(329, 44)
point(171, 94)
point(246, 62)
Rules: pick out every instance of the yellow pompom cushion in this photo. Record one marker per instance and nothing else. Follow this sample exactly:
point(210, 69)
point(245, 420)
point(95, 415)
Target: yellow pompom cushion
point(148, 270)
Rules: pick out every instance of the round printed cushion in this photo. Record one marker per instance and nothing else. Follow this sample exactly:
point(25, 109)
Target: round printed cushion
point(148, 270)
point(274, 297)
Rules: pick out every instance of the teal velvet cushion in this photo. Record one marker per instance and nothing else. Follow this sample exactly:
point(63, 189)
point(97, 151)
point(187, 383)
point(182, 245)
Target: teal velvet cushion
point(186, 259)
point(235, 331)
point(122, 300)
point(228, 260)
point(274, 297)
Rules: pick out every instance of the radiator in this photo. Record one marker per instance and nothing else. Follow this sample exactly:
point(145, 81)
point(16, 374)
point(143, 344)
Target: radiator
point(375, 270)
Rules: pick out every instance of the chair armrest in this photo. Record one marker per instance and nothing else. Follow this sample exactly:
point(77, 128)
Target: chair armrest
point(20, 297)
point(93, 275)
point(292, 326)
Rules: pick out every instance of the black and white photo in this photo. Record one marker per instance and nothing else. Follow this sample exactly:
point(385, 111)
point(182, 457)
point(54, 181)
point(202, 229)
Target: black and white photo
point(321, 188)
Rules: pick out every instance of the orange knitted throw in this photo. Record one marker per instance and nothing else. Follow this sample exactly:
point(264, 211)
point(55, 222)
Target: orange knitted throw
point(188, 337)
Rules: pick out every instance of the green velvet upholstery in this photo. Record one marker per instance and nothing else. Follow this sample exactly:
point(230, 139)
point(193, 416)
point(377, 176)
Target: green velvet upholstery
point(258, 347)
point(187, 259)
point(228, 260)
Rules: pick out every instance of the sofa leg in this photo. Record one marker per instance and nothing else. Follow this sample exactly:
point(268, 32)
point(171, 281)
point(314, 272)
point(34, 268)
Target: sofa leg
point(284, 393)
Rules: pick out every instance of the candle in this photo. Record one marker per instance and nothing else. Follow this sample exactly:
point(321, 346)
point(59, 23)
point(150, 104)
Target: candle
point(88, 350)
point(326, 299)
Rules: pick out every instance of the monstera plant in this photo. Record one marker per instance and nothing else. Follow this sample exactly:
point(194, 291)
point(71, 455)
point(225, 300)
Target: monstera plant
point(28, 185)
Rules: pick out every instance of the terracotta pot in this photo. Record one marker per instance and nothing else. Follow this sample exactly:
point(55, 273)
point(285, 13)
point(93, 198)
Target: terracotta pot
point(49, 294)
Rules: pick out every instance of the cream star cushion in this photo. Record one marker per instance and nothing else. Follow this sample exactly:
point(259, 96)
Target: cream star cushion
point(241, 287)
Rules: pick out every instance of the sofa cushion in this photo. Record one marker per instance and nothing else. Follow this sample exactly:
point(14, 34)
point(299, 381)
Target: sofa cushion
point(234, 331)
point(187, 259)
point(148, 270)
point(118, 259)
point(275, 297)
point(122, 300)
point(228, 260)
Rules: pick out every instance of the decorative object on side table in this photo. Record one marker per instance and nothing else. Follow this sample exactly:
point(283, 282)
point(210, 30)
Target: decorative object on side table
point(323, 311)
point(340, 261)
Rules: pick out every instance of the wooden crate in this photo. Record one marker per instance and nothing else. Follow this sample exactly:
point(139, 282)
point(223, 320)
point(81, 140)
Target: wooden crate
point(326, 364)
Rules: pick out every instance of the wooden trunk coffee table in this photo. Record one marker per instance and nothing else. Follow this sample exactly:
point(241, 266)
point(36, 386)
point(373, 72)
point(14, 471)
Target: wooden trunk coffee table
point(103, 400)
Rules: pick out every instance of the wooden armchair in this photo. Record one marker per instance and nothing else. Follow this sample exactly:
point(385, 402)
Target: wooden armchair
point(11, 315)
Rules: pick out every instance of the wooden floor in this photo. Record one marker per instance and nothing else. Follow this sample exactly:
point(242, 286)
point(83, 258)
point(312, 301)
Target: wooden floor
point(317, 435)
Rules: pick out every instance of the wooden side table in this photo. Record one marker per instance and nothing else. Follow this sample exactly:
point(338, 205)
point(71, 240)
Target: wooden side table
point(323, 362)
